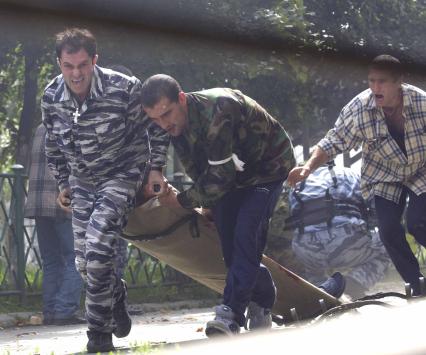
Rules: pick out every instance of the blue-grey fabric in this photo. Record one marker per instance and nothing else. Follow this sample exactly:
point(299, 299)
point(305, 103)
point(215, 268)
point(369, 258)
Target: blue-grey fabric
point(347, 244)
point(242, 219)
point(100, 154)
point(347, 191)
point(61, 284)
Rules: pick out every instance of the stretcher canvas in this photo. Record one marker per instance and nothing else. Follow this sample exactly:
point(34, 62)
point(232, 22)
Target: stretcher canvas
point(184, 240)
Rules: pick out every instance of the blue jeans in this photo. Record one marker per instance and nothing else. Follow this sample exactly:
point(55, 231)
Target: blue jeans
point(392, 233)
point(62, 284)
point(242, 220)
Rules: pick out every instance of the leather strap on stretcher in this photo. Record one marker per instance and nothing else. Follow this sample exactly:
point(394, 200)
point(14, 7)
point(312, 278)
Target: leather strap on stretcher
point(193, 228)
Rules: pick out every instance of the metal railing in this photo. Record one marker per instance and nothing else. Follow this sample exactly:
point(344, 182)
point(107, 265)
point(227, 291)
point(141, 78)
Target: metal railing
point(20, 261)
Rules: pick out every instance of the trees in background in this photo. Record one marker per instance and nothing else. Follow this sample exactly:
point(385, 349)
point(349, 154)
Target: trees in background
point(301, 59)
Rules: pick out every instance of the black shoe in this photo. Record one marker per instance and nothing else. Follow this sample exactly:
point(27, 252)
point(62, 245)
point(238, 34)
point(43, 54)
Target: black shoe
point(47, 320)
point(335, 285)
point(123, 322)
point(69, 321)
point(99, 342)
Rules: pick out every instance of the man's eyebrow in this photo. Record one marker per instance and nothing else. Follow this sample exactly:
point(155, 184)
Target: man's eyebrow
point(83, 62)
point(165, 113)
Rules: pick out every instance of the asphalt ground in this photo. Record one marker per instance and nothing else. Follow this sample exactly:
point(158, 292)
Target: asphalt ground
point(177, 327)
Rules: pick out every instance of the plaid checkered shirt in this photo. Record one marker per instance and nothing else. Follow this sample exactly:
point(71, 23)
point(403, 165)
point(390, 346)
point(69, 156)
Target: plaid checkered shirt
point(385, 168)
point(43, 188)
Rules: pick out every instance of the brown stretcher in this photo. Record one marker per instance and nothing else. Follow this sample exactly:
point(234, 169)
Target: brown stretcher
point(183, 239)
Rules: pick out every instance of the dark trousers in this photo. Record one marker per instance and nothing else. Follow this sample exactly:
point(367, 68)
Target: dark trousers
point(242, 219)
point(392, 232)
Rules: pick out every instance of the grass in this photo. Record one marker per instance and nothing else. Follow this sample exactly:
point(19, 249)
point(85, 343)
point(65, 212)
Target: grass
point(11, 304)
point(157, 294)
point(172, 293)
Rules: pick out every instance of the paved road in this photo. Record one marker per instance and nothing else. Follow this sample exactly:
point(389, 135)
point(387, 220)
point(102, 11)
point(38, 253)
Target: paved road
point(377, 330)
point(160, 327)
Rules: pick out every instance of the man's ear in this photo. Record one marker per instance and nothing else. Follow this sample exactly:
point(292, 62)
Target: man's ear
point(182, 98)
point(95, 59)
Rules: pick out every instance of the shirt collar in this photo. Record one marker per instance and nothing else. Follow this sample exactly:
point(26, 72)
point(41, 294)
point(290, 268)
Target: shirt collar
point(96, 86)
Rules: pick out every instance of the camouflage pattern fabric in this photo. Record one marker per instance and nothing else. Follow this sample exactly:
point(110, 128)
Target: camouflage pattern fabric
point(279, 245)
point(223, 122)
point(351, 249)
point(348, 246)
point(105, 137)
point(122, 257)
point(99, 214)
point(99, 150)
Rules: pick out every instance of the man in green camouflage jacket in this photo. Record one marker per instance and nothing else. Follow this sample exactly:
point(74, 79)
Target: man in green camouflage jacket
point(238, 157)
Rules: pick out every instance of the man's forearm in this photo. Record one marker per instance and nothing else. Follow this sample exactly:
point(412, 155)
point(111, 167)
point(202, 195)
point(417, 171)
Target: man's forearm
point(318, 158)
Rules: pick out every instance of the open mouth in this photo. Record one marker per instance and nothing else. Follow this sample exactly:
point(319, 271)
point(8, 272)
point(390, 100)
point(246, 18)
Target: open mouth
point(77, 81)
point(379, 96)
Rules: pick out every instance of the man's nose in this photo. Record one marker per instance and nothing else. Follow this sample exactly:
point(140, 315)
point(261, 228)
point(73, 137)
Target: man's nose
point(76, 72)
point(375, 87)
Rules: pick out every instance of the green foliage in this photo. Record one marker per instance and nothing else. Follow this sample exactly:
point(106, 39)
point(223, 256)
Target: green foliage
point(287, 17)
point(12, 81)
point(379, 25)
point(144, 348)
point(11, 85)
point(11, 304)
point(417, 249)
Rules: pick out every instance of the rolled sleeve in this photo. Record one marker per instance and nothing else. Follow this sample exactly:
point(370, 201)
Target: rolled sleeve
point(342, 137)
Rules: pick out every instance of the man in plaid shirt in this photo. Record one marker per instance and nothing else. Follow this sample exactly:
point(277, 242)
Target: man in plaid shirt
point(62, 284)
point(389, 121)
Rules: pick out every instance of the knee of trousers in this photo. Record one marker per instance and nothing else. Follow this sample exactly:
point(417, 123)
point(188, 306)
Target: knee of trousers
point(417, 227)
point(80, 265)
point(391, 233)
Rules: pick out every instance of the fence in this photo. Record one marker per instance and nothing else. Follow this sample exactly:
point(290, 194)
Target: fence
point(20, 262)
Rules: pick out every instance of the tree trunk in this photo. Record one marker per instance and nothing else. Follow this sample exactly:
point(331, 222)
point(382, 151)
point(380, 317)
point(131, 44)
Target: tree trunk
point(29, 107)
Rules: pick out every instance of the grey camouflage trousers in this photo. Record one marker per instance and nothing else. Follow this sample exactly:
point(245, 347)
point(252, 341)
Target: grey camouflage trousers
point(350, 249)
point(99, 215)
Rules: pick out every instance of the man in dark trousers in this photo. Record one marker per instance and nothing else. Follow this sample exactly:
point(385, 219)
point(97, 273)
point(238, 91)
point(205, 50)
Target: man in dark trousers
point(62, 284)
point(389, 121)
point(238, 157)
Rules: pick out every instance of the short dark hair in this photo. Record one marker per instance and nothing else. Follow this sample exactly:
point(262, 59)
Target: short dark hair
point(73, 39)
point(388, 63)
point(158, 86)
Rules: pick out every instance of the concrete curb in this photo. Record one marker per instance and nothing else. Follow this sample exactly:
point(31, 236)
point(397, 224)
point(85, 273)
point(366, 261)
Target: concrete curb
point(22, 319)
point(16, 319)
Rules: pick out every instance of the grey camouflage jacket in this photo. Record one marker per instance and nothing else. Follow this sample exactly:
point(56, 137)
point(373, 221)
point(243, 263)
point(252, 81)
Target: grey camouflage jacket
point(107, 137)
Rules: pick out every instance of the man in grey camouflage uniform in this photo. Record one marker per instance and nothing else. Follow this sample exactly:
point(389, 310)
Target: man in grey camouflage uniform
point(343, 242)
point(96, 146)
point(238, 157)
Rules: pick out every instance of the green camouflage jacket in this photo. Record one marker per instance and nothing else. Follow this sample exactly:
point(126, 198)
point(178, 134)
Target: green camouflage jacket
point(223, 122)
